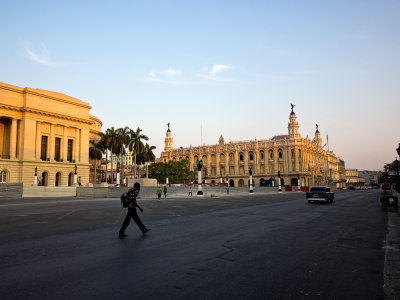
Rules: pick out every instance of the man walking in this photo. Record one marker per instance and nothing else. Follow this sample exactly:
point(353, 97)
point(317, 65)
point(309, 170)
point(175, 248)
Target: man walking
point(165, 191)
point(159, 193)
point(132, 195)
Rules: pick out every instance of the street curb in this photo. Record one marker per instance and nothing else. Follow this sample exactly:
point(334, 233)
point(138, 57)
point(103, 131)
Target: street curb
point(391, 270)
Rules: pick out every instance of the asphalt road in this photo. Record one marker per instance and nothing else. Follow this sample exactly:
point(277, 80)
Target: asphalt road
point(248, 247)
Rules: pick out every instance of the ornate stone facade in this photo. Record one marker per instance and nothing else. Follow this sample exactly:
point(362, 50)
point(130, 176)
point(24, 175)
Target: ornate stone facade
point(294, 157)
point(44, 130)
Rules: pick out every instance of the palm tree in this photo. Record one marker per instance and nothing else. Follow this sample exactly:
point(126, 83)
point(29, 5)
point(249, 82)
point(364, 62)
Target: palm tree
point(112, 144)
point(123, 139)
point(136, 144)
point(96, 150)
point(148, 156)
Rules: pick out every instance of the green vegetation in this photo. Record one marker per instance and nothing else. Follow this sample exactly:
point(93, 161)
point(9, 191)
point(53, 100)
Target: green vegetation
point(177, 171)
point(117, 142)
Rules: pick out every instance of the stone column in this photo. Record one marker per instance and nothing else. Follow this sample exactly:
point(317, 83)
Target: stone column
point(65, 144)
point(13, 138)
point(246, 161)
point(51, 143)
point(227, 163)
point(209, 164)
point(236, 162)
point(217, 168)
point(38, 140)
point(76, 146)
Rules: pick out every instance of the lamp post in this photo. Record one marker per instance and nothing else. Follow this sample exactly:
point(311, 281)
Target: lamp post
point(298, 182)
point(35, 181)
point(279, 182)
point(118, 174)
point(199, 166)
point(166, 179)
point(75, 176)
point(397, 162)
point(251, 180)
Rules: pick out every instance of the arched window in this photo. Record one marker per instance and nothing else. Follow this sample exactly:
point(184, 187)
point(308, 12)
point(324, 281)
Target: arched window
point(231, 156)
point(262, 154)
point(292, 153)
point(213, 159)
point(271, 154)
point(3, 176)
point(299, 153)
point(251, 156)
point(280, 153)
point(241, 182)
point(241, 156)
point(58, 179)
point(204, 159)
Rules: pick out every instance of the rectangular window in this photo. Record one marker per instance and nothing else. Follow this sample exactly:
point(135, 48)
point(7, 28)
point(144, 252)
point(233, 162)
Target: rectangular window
point(43, 153)
point(57, 149)
point(70, 147)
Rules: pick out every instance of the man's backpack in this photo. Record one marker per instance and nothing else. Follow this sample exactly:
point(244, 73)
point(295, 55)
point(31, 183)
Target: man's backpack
point(124, 200)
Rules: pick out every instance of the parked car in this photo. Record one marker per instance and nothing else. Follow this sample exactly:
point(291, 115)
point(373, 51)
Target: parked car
point(320, 194)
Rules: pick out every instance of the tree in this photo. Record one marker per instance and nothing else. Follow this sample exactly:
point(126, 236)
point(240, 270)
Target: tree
point(148, 156)
point(112, 144)
point(136, 144)
point(96, 150)
point(178, 171)
point(123, 140)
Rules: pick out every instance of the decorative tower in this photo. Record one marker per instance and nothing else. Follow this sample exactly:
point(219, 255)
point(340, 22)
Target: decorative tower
point(293, 125)
point(168, 140)
point(317, 138)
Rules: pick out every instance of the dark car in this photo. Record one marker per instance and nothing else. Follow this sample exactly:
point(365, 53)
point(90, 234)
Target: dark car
point(320, 194)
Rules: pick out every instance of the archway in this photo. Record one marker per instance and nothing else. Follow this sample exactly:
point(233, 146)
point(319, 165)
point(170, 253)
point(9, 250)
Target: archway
point(58, 179)
point(231, 183)
point(45, 178)
point(212, 181)
point(70, 179)
point(263, 182)
point(195, 182)
point(241, 182)
point(282, 181)
point(294, 182)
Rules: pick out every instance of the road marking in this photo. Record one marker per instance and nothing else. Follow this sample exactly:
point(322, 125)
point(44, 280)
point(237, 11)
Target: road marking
point(67, 214)
point(119, 217)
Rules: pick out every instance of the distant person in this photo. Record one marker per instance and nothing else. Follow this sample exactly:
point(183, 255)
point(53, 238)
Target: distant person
point(190, 191)
point(227, 190)
point(132, 213)
point(159, 191)
point(165, 191)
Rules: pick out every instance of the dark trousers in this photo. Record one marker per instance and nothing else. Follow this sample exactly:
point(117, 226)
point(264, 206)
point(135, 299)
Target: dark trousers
point(132, 214)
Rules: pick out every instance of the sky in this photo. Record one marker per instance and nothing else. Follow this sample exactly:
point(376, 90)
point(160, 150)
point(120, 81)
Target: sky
point(214, 68)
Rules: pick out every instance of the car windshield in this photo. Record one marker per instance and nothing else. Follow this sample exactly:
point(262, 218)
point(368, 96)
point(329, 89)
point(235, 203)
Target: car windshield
point(318, 189)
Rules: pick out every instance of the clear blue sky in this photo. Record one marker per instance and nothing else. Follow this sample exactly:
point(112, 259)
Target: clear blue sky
point(232, 67)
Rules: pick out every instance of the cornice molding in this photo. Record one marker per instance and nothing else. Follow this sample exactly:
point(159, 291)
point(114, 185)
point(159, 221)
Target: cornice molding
point(32, 92)
point(45, 113)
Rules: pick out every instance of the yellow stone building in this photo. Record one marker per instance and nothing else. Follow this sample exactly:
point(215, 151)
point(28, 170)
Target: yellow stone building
point(46, 131)
point(294, 157)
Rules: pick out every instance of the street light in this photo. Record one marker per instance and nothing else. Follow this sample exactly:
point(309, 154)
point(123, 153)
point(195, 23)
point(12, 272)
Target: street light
point(279, 182)
point(251, 180)
point(298, 182)
point(118, 175)
point(35, 182)
point(199, 166)
point(75, 176)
